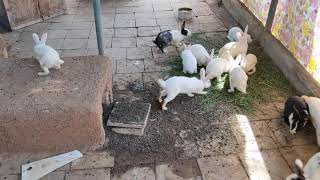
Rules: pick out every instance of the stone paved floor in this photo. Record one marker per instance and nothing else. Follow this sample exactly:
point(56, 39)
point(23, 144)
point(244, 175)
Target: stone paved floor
point(265, 149)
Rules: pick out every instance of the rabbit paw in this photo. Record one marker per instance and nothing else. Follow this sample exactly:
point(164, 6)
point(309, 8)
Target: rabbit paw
point(164, 108)
point(230, 90)
point(203, 92)
point(190, 95)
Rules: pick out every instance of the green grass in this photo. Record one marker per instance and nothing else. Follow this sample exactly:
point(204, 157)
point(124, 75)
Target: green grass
point(267, 84)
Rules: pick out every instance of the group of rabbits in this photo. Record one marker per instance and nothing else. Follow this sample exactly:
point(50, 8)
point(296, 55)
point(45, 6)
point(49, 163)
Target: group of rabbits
point(196, 55)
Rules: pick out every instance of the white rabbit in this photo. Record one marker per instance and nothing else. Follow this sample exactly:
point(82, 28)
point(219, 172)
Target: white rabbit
point(182, 85)
point(314, 111)
point(248, 64)
point(189, 61)
point(233, 37)
point(238, 77)
point(311, 171)
point(201, 54)
point(236, 48)
point(217, 66)
point(46, 55)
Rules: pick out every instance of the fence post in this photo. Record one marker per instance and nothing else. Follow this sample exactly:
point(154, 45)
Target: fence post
point(271, 14)
point(99, 31)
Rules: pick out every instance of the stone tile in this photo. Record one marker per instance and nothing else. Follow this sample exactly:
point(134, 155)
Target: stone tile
point(74, 43)
point(138, 15)
point(170, 27)
point(63, 18)
point(212, 27)
point(108, 22)
point(139, 53)
point(143, 9)
point(82, 25)
point(57, 34)
point(136, 115)
point(146, 41)
point(167, 21)
point(125, 81)
point(74, 53)
point(124, 42)
point(10, 177)
point(89, 174)
point(60, 26)
point(22, 46)
point(182, 170)
point(145, 173)
point(93, 160)
point(11, 37)
point(285, 138)
point(265, 112)
point(130, 66)
point(20, 54)
point(304, 153)
point(254, 135)
point(125, 16)
point(56, 175)
point(171, 51)
point(84, 18)
point(55, 43)
point(116, 53)
point(148, 31)
point(162, 7)
point(157, 64)
point(78, 34)
point(106, 33)
point(37, 28)
point(164, 14)
point(92, 43)
point(265, 165)
point(207, 19)
point(125, 32)
point(124, 23)
point(203, 11)
point(125, 10)
point(146, 22)
point(222, 167)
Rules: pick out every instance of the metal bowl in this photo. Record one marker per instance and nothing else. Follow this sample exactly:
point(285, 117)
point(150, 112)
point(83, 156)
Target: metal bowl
point(184, 14)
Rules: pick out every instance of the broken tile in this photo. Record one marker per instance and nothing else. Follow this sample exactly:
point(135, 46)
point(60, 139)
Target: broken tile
point(93, 160)
point(222, 167)
point(129, 131)
point(130, 66)
point(129, 115)
point(89, 174)
point(267, 165)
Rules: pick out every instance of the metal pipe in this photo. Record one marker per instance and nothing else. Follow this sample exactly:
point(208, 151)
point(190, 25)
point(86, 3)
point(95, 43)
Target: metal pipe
point(271, 14)
point(98, 22)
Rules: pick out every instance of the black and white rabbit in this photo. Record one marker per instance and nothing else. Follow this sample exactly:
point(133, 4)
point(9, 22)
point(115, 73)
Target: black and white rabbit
point(296, 113)
point(171, 37)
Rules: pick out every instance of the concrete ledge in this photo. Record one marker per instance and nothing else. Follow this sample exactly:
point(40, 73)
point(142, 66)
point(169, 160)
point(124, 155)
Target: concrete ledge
point(297, 75)
point(54, 113)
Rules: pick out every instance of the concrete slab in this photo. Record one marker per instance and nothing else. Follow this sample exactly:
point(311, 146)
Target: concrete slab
point(58, 112)
point(129, 115)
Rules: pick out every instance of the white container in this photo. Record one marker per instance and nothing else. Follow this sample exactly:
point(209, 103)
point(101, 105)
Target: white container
point(184, 14)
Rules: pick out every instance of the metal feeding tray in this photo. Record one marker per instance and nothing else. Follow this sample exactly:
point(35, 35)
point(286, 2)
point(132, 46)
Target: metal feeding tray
point(184, 14)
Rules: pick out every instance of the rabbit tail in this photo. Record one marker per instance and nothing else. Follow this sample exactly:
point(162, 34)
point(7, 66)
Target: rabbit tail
point(162, 83)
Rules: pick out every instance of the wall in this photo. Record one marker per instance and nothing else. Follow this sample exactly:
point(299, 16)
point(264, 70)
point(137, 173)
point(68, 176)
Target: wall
point(259, 8)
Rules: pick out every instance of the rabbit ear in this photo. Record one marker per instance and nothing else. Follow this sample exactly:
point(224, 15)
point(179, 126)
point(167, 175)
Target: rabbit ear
point(202, 73)
point(299, 168)
point(246, 29)
point(239, 34)
point(44, 37)
point(183, 25)
point(35, 38)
